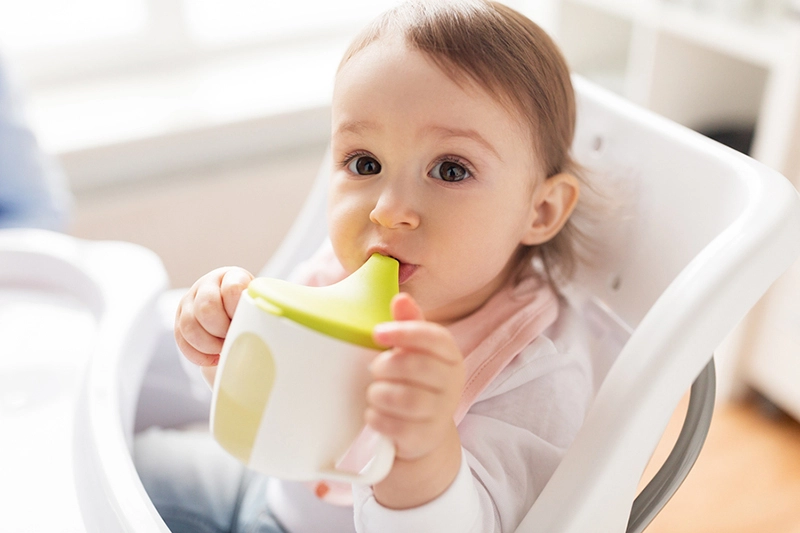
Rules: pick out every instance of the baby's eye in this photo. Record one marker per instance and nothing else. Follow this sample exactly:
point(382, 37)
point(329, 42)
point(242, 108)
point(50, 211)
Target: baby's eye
point(449, 171)
point(364, 165)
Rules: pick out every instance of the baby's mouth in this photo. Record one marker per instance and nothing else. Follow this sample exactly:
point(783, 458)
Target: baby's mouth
point(406, 271)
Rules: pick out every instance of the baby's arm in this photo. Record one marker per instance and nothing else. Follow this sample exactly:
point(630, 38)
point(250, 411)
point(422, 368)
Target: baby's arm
point(204, 315)
point(512, 439)
point(416, 388)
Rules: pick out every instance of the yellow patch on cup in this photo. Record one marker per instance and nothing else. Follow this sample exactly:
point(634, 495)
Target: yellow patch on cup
point(243, 395)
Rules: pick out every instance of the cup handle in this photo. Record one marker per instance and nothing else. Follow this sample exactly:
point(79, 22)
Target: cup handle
point(376, 469)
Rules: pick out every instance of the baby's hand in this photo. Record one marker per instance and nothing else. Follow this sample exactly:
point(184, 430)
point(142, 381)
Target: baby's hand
point(205, 313)
point(412, 400)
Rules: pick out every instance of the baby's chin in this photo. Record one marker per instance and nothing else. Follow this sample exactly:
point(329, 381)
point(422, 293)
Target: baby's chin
point(446, 311)
point(443, 315)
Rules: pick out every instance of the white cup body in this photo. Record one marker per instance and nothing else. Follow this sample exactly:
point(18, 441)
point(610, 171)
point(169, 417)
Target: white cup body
point(295, 397)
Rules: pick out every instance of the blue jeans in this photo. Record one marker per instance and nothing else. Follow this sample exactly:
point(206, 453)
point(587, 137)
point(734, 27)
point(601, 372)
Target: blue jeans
point(198, 488)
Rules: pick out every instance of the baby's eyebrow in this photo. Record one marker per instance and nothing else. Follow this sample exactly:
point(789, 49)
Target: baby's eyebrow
point(446, 131)
point(357, 126)
point(361, 127)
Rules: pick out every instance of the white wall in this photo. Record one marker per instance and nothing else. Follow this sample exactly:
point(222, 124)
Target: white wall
point(196, 221)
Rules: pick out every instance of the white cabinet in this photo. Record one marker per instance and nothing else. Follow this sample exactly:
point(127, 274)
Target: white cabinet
point(700, 67)
point(708, 64)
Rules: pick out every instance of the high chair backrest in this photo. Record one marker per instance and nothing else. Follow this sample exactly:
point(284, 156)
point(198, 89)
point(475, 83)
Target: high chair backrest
point(701, 233)
point(693, 235)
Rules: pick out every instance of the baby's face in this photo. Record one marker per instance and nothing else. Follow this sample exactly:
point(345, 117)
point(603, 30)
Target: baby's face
point(436, 174)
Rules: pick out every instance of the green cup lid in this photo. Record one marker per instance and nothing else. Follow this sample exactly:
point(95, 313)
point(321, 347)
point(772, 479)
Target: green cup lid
point(347, 310)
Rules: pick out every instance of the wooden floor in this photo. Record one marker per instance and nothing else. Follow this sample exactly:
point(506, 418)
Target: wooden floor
point(746, 480)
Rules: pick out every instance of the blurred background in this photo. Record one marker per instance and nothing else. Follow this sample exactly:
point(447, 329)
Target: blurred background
point(163, 113)
point(195, 128)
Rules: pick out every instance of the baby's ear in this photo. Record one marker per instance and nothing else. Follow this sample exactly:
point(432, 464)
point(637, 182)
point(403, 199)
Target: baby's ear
point(553, 203)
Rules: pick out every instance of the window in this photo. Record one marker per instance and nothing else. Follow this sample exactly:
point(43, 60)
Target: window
point(202, 80)
point(52, 40)
point(231, 22)
point(45, 24)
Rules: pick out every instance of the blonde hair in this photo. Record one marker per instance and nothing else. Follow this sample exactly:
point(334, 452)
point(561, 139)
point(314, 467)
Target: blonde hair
point(517, 63)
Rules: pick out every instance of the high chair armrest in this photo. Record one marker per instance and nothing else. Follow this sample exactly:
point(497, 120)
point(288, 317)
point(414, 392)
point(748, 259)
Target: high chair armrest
point(681, 459)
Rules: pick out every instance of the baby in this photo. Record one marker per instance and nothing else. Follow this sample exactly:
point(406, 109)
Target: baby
point(451, 129)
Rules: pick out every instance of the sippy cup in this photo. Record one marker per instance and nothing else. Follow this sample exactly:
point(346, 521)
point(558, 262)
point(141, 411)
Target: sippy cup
point(290, 390)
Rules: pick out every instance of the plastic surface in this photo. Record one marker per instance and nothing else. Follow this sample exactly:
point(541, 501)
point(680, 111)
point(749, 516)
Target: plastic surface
point(75, 322)
point(347, 310)
point(705, 232)
point(289, 401)
point(681, 459)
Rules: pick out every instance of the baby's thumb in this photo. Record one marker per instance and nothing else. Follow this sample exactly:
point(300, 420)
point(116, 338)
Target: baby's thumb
point(233, 283)
point(404, 307)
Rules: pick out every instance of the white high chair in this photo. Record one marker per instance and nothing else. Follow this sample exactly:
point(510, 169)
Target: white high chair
point(702, 234)
point(75, 319)
point(707, 232)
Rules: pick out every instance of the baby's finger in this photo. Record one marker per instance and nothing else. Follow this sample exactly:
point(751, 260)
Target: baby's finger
point(403, 401)
point(418, 336)
point(195, 335)
point(233, 283)
point(421, 370)
point(193, 355)
point(404, 307)
point(412, 439)
point(209, 310)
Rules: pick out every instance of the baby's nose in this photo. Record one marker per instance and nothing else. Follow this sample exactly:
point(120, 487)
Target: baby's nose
point(395, 208)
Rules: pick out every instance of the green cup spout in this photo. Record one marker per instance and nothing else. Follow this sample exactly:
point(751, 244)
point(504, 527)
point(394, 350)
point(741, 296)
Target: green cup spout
point(347, 310)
